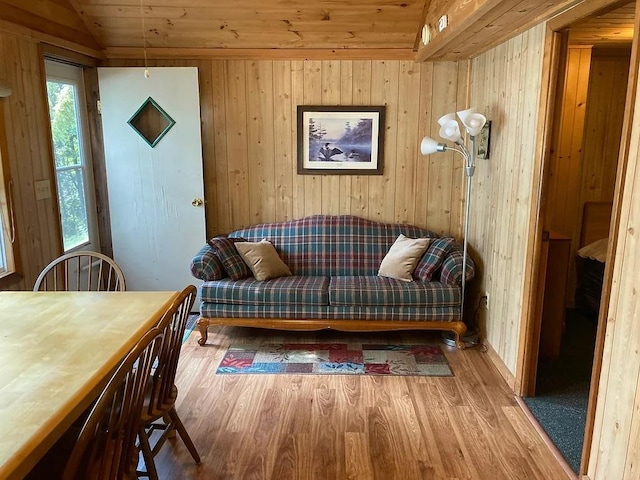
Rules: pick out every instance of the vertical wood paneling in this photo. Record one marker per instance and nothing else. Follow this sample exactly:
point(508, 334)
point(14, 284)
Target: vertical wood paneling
point(506, 87)
point(27, 128)
point(331, 89)
point(260, 141)
point(426, 127)
point(384, 91)
point(407, 146)
point(313, 96)
point(361, 95)
point(205, 79)
point(250, 141)
point(445, 169)
point(346, 98)
point(615, 448)
point(218, 220)
point(297, 98)
point(566, 162)
point(237, 143)
point(603, 125)
point(284, 150)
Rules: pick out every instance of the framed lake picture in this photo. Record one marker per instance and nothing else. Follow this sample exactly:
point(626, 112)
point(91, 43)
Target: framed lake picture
point(340, 140)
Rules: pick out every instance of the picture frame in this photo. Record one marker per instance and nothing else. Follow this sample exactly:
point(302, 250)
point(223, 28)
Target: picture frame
point(483, 142)
point(340, 140)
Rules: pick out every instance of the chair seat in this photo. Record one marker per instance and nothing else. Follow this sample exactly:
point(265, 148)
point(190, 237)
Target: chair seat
point(148, 415)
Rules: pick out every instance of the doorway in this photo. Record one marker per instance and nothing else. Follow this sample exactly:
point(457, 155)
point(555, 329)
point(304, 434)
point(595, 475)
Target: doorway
point(579, 191)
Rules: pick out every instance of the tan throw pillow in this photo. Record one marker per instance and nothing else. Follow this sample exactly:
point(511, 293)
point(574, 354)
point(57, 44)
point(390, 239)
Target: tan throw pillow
point(263, 260)
point(402, 258)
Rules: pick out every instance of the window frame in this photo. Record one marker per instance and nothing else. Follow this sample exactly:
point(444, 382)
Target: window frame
point(63, 72)
point(8, 230)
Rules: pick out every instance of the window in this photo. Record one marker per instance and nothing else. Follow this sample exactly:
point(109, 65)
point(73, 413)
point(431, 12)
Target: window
point(7, 224)
point(74, 178)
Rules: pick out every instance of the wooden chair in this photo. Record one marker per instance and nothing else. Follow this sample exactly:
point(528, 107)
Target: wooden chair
point(81, 271)
point(103, 445)
point(159, 412)
point(107, 448)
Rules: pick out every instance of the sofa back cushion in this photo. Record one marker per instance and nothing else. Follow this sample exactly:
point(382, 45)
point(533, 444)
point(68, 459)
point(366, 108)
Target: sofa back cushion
point(323, 245)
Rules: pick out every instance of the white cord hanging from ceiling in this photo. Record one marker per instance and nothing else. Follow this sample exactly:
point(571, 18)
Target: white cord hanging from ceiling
point(144, 41)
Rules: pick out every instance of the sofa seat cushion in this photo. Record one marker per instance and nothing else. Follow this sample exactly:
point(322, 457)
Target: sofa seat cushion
point(384, 291)
point(329, 313)
point(277, 291)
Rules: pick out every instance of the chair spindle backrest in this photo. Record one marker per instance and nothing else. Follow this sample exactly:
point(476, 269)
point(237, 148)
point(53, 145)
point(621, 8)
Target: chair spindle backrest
point(81, 271)
point(106, 448)
point(165, 372)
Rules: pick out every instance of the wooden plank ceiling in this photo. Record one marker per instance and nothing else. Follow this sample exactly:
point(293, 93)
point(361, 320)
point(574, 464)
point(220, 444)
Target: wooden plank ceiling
point(355, 29)
point(254, 24)
point(610, 28)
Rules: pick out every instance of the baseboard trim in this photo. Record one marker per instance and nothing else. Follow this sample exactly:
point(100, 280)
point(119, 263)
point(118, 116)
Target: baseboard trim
point(571, 475)
point(504, 372)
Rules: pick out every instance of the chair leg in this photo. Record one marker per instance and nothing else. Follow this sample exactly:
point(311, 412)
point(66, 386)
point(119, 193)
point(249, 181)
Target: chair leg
point(184, 435)
point(167, 420)
point(147, 455)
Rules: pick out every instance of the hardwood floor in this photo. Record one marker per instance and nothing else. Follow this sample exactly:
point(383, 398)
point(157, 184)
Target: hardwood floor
point(305, 427)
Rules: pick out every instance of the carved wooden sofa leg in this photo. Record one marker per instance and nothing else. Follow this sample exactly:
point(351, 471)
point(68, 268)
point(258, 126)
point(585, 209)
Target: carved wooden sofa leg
point(459, 329)
point(203, 326)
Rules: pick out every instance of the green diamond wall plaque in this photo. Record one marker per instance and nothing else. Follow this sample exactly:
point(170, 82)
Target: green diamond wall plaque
point(151, 122)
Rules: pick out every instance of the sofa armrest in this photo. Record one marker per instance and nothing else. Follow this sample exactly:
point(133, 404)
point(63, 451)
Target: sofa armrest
point(206, 266)
point(451, 270)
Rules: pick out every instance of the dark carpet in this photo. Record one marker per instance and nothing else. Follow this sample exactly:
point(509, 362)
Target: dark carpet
point(562, 388)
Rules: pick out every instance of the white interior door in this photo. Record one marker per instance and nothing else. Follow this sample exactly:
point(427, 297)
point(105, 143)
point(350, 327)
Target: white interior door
point(155, 193)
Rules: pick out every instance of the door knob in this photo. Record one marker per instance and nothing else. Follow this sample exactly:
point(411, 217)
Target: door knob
point(197, 202)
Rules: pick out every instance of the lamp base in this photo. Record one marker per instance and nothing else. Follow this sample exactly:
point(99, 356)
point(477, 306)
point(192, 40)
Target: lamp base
point(471, 338)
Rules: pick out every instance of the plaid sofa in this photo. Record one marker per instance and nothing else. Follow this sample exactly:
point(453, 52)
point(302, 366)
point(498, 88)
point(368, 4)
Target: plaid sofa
point(334, 262)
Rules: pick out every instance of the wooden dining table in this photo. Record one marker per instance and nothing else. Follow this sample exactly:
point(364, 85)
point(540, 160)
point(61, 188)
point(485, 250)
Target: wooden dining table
point(57, 352)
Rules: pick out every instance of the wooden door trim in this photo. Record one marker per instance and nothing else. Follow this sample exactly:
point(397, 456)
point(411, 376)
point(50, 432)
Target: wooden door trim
point(623, 161)
point(532, 298)
point(535, 266)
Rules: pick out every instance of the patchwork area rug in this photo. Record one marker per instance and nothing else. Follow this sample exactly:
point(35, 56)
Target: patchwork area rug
point(335, 359)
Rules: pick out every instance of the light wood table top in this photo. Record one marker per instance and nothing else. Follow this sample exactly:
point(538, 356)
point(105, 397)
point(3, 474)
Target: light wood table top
point(57, 350)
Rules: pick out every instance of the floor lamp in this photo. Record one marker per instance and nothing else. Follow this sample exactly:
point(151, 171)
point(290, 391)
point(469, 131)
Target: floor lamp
point(450, 130)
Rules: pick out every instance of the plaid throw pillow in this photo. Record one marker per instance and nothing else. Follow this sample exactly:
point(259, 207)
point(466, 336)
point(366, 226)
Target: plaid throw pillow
point(433, 258)
point(231, 260)
point(206, 266)
point(451, 273)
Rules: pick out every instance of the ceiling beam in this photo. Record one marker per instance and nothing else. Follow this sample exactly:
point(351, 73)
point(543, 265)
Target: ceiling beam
point(262, 53)
point(475, 26)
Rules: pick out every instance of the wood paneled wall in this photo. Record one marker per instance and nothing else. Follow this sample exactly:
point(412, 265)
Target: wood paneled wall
point(248, 113)
point(249, 141)
point(28, 139)
point(505, 85)
point(585, 151)
point(565, 166)
point(603, 123)
point(615, 450)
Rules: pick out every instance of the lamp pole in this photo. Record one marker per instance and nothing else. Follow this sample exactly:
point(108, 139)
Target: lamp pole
point(450, 130)
point(469, 169)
